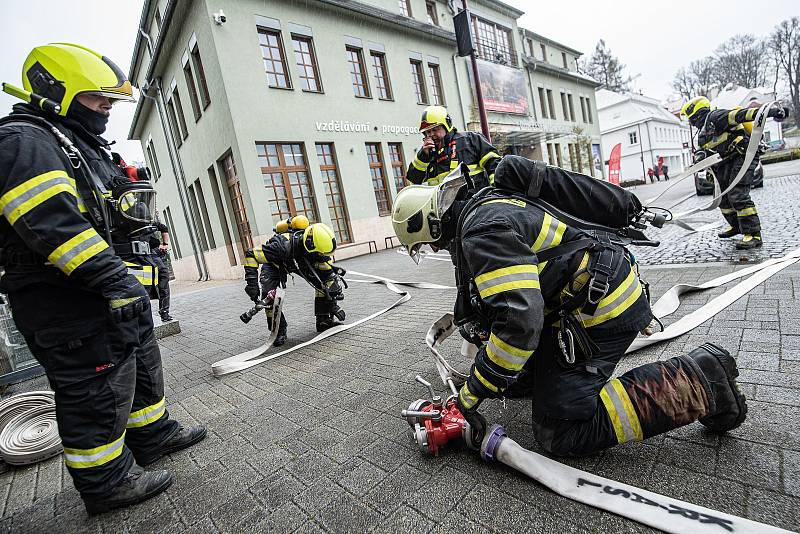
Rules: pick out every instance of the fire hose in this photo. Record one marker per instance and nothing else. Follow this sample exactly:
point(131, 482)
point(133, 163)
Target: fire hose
point(28, 429)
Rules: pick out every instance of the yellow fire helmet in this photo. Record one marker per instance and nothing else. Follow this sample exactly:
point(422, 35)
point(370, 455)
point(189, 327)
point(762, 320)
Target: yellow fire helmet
point(299, 222)
point(694, 105)
point(319, 238)
point(434, 116)
point(60, 71)
point(282, 227)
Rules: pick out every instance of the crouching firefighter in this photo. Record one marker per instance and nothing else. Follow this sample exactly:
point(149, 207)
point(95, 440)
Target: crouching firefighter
point(727, 132)
point(301, 248)
point(70, 221)
point(553, 308)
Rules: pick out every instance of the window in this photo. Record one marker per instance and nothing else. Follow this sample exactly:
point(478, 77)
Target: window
point(437, 93)
point(557, 147)
point(285, 174)
point(571, 108)
point(551, 155)
point(228, 168)
point(398, 165)
point(153, 159)
point(358, 75)
point(571, 151)
point(543, 103)
point(405, 7)
point(179, 111)
point(196, 216)
point(578, 157)
point(176, 248)
point(633, 138)
point(223, 220)
point(583, 108)
point(378, 176)
point(530, 47)
point(552, 103)
point(544, 52)
point(418, 82)
point(201, 201)
point(433, 17)
point(158, 20)
point(274, 59)
point(306, 64)
point(337, 208)
point(173, 123)
point(493, 42)
point(564, 59)
point(589, 110)
point(564, 107)
point(187, 73)
point(382, 84)
point(197, 62)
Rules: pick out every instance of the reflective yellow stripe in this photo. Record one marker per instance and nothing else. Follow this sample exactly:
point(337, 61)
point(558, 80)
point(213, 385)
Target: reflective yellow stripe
point(146, 415)
point(72, 254)
point(507, 279)
point(732, 117)
point(419, 165)
point(486, 157)
point(488, 385)
point(250, 262)
point(510, 286)
point(537, 245)
point(454, 163)
point(716, 141)
point(550, 235)
point(747, 211)
point(83, 458)
point(505, 355)
point(514, 269)
point(323, 266)
point(621, 412)
point(613, 305)
point(147, 275)
point(513, 201)
point(727, 210)
point(258, 253)
point(26, 196)
point(468, 400)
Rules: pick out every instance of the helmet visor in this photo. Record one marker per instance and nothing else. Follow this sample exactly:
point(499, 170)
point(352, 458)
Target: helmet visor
point(449, 190)
point(138, 205)
point(414, 252)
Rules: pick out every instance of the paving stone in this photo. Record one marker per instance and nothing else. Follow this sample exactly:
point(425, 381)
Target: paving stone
point(774, 509)
point(750, 463)
point(406, 520)
point(348, 514)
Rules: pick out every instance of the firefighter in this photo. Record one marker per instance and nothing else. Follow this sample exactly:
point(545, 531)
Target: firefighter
point(555, 329)
point(302, 248)
point(159, 246)
point(725, 132)
point(85, 315)
point(444, 148)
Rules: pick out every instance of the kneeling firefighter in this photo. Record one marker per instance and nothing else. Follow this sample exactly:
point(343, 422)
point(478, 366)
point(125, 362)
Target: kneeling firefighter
point(726, 132)
point(553, 308)
point(302, 248)
point(69, 219)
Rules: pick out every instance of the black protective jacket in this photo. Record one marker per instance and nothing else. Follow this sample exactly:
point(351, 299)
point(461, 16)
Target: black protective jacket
point(286, 252)
point(46, 231)
point(471, 148)
point(722, 130)
point(500, 240)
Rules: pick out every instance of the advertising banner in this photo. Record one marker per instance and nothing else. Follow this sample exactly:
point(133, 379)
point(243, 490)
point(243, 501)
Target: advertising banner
point(613, 164)
point(504, 88)
point(597, 162)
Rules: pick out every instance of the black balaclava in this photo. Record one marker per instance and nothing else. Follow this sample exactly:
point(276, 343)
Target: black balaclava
point(92, 121)
point(698, 119)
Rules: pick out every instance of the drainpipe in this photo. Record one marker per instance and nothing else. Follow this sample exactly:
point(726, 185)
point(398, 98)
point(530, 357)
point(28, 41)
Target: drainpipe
point(177, 166)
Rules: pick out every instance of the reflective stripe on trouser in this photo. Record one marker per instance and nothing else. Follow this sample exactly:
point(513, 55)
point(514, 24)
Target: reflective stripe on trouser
point(737, 206)
point(147, 275)
point(571, 417)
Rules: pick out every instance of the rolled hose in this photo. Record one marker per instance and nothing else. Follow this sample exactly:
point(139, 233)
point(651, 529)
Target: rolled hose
point(28, 429)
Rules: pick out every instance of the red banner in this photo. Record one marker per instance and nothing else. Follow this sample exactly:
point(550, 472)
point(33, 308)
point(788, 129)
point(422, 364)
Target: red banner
point(613, 164)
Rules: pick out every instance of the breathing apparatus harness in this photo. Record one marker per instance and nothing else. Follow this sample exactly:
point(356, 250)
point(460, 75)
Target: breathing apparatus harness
point(603, 243)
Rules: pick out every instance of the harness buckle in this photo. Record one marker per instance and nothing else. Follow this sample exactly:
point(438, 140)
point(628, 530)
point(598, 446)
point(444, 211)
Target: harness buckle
point(597, 287)
point(140, 248)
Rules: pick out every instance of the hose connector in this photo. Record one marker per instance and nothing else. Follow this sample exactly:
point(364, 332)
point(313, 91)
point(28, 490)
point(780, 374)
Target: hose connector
point(492, 440)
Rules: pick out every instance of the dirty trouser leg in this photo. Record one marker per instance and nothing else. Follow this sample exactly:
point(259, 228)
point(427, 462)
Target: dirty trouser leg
point(92, 370)
point(270, 278)
point(740, 200)
point(728, 211)
point(579, 411)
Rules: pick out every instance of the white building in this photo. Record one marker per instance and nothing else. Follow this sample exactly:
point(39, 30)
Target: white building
point(646, 131)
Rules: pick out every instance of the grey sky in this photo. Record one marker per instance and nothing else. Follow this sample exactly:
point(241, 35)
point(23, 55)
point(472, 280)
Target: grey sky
point(651, 38)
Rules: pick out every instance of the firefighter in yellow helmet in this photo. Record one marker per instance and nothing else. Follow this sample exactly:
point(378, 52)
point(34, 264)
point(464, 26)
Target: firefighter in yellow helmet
point(68, 224)
point(305, 249)
point(526, 286)
point(444, 148)
point(724, 131)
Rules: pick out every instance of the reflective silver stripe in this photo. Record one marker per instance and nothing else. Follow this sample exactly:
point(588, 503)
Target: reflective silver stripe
point(32, 192)
point(514, 277)
point(630, 435)
point(505, 355)
point(145, 276)
point(607, 308)
point(65, 258)
point(82, 458)
point(259, 255)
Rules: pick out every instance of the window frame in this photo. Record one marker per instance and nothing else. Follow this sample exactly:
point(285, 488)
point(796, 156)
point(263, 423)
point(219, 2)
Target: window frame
point(433, 18)
point(633, 138)
point(173, 122)
point(435, 77)
point(486, 36)
point(176, 97)
point(405, 8)
point(543, 102)
point(399, 181)
point(194, 99)
point(418, 81)
point(381, 56)
point(312, 53)
point(268, 32)
point(330, 196)
point(379, 166)
point(543, 48)
point(362, 71)
point(310, 208)
point(200, 73)
point(244, 230)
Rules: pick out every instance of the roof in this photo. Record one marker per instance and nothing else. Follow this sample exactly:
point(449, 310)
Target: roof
point(617, 110)
point(528, 33)
point(730, 97)
point(560, 72)
point(497, 4)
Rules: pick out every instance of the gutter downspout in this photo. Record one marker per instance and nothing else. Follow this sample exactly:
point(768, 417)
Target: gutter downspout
point(177, 166)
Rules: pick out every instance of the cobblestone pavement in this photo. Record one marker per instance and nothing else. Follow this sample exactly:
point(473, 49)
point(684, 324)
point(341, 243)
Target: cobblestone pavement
point(780, 220)
point(312, 442)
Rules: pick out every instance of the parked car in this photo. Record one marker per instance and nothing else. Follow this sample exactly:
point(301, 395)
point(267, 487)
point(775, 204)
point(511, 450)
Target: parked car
point(704, 184)
point(776, 144)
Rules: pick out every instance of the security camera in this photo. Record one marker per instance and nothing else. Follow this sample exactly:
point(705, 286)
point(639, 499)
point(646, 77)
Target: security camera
point(220, 18)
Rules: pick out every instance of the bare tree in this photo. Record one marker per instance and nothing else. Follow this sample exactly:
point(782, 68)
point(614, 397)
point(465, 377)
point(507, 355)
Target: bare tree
point(743, 60)
point(697, 79)
point(605, 67)
point(784, 44)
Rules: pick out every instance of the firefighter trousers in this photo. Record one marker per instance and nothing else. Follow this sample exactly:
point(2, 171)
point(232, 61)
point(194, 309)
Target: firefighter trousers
point(163, 284)
point(107, 379)
point(270, 278)
point(737, 207)
point(579, 410)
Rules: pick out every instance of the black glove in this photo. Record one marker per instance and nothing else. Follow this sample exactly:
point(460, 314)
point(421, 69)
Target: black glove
point(127, 298)
point(477, 423)
point(252, 290)
point(700, 155)
point(779, 114)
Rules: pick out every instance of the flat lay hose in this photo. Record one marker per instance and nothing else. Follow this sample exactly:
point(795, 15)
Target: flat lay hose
point(28, 429)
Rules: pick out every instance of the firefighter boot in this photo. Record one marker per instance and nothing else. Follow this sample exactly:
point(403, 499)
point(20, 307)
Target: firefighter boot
point(185, 437)
point(727, 405)
point(280, 339)
point(730, 232)
point(749, 242)
point(136, 486)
